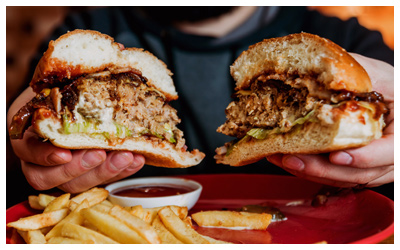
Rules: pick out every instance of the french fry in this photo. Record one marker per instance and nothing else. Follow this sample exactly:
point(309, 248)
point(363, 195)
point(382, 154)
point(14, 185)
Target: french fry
point(45, 230)
point(137, 211)
point(143, 228)
point(39, 221)
point(34, 202)
point(166, 236)
point(180, 229)
point(94, 196)
point(58, 203)
point(102, 208)
point(64, 240)
point(45, 199)
point(89, 225)
point(32, 236)
point(232, 219)
point(149, 214)
point(73, 217)
point(78, 232)
point(107, 203)
point(188, 221)
point(112, 227)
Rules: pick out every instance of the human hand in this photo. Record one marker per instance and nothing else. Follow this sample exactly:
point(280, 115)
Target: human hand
point(46, 166)
point(371, 165)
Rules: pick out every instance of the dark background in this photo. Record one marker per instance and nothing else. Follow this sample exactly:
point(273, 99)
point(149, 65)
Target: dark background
point(27, 27)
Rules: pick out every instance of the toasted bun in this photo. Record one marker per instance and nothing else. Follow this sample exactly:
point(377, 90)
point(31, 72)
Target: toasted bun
point(302, 54)
point(313, 138)
point(161, 155)
point(84, 51)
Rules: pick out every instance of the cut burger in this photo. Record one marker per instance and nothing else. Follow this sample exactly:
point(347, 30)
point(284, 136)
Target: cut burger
point(94, 93)
point(298, 94)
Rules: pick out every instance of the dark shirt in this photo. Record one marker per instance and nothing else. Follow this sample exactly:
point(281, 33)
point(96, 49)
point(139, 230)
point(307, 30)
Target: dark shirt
point(200, 64)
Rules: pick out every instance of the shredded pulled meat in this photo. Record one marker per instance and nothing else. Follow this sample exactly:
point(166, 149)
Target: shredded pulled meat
point(270, 103)
point(131, 102)
point(135, 105)
point(266, 105)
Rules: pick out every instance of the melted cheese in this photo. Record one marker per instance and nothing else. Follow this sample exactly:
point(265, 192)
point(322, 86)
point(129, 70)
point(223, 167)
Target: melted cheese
point(353, 130)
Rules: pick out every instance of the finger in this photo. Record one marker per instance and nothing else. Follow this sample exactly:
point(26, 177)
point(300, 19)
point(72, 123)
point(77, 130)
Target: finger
point(138, 163)
point(46, 177)
point(381, 75)
point(377, 153)
point(115, 163)
point(318, 166)
point(321, 180)
point(277, 160)
point(384, 179)
point(32, 149)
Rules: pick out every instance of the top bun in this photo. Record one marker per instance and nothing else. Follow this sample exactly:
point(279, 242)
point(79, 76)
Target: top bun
point(85, 51)
point(300, 55)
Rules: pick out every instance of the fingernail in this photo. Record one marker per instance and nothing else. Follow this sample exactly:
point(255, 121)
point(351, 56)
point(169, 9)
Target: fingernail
point(92, 159)
point(55, 158)
point(293, 163)
point(137, 163)
point(343, 158)
point(121, 160)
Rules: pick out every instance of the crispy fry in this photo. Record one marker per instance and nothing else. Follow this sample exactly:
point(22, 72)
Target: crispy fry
point(112, 227)
point(75, 231)
point(137, 211)
point(188, 220)
point(34, 202)
point(94, 196)
point(45, 199)
point(32, 237)
point(39, 221)
point(64, 240)
point(102, 208)
point(180, 229)
point(107, 203)
point(73, 217)
point(149, 214)
point(89, 225)
point(58, 203)
point(166, 236)
point(232, 219)
point(143, 228)
point(45, 230)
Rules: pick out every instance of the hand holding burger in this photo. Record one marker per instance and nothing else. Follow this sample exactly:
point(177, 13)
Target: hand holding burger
point(371, 165)
point(92, 95)
point(304, 95)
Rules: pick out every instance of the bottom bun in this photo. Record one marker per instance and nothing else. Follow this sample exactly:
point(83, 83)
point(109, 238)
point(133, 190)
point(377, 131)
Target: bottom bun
point(312, 138)
point(156, 154)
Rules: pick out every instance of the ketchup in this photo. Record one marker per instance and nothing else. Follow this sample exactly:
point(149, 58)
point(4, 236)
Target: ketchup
point(149, 190)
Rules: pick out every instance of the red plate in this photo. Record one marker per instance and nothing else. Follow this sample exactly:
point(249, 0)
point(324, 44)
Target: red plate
point(347, 217)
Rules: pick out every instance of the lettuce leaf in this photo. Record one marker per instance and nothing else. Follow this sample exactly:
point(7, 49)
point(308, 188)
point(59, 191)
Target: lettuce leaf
point(263, 133)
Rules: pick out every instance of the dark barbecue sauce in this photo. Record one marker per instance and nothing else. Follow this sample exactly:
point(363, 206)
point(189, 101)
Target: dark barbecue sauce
point(157, 190)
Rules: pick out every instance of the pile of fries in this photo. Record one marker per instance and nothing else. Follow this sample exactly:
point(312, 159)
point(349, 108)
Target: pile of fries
point(90, 218)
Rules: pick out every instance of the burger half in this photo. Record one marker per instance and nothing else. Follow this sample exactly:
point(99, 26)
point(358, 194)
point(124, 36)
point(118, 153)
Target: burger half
point(94, 93)
point(298, 94)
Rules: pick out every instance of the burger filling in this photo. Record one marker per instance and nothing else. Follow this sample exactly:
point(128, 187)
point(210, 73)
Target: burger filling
point(283, 104)
point(110, 106)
